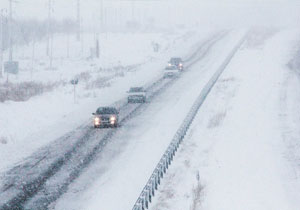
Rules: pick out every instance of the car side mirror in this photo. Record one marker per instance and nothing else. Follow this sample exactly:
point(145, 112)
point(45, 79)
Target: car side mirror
point(93, 113)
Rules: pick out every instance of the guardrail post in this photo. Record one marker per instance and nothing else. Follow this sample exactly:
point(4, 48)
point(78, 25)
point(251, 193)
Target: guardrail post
point(149, 193)
point(161, 171)
point(169, 157)
point(146, 200)
point(158, 178)
point(156, 175)
point(143, 203)
point(153, 187)
point(166, 162)
point(164, 166)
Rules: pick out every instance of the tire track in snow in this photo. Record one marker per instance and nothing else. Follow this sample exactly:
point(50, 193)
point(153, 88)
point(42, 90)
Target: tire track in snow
point(27, 180)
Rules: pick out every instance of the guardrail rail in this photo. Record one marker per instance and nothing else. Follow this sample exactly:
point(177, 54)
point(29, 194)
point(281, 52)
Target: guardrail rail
point(161, 168)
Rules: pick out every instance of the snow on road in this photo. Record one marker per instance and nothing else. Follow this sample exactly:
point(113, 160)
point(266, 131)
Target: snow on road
point(245, 153)
point(116, 178)
point(27, 126)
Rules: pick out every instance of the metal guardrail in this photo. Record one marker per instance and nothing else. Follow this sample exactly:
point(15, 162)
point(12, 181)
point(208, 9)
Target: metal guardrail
point(151, 186)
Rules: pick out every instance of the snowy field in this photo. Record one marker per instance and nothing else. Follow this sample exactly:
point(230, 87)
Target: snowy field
point(243, 144)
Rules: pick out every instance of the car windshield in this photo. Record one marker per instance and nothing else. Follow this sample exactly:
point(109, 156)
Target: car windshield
point(136, 89)
point(106, 110)
point(175, 60)
point(171, 68)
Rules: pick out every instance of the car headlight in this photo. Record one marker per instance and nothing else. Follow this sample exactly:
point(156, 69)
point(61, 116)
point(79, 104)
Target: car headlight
point(180, 64)
point(97, 120)
point(169, 64)
point(112, 118)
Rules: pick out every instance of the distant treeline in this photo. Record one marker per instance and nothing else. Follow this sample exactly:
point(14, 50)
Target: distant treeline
point(29, 30)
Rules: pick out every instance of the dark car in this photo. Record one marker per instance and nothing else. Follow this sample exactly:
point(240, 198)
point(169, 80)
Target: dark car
point(176, 61)
point(106, 117)
point(136, 95)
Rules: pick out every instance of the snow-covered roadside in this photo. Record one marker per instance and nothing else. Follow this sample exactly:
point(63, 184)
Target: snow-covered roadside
point(26, 126)
point(236, 141)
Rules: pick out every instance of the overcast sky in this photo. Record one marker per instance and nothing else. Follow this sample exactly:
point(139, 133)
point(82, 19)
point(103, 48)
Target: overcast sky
point(237, 12)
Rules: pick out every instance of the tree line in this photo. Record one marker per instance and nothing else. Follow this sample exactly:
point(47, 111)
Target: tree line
point(25, 31)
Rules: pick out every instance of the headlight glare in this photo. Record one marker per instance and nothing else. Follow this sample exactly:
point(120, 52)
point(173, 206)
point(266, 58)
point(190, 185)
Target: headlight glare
point(113, 118)
point(97, 120)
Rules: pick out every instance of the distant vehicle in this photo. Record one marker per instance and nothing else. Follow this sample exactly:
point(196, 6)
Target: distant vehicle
point(137, 95)
point(176, 61)
point(106, 117)
point(171, 71)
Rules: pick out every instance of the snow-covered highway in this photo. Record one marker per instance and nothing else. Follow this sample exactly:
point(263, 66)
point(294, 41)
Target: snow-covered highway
point(47, 163)
point(123, 167)
point(149, 105)
point(56, 186)
point(255, 168)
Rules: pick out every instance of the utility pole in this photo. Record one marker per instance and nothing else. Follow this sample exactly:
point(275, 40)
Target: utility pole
point(32, 59)
point(48, 26)
point(49, 50)
point(1, 43)
point(68, 44)
point(10, 31)
point(105, 19)
point(101, 16)
point(78, 21)
point(132, 10)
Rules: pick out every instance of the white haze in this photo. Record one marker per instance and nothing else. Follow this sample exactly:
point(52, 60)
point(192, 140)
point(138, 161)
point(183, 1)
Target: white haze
point(212, 13)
